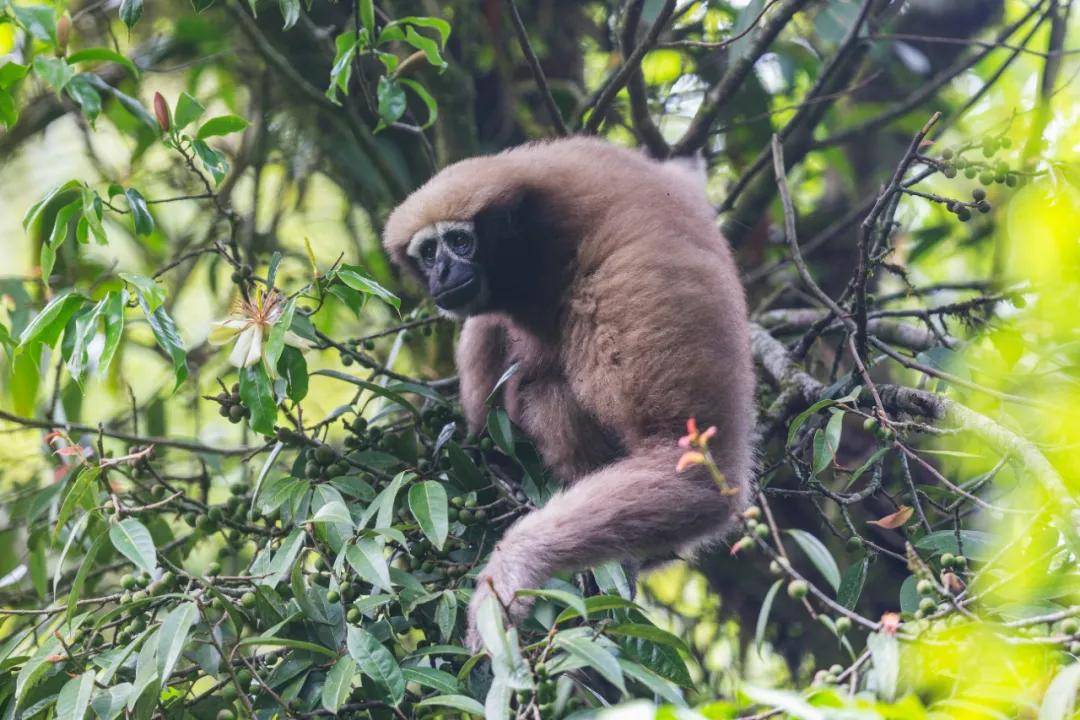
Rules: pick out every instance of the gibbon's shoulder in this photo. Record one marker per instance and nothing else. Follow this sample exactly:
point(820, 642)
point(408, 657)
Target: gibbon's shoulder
point(564, 171)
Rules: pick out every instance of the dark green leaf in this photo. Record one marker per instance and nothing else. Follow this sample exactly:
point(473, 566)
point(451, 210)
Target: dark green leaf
point(188, 110)
point(819, 555)
point(851, 585)
point(54, 71)
point(391, 96)
point(134, 542)
point(376, 662)
point(338, 684)
point(257, 393)
point(221, 125)
point(130, 12)
point(103, 55)
point(168, 338)
point(140, 213)
point(428, 504)
point(290, 12)
point(38, 20)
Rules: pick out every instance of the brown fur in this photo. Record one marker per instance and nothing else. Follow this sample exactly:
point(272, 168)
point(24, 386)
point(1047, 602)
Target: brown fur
point(628, 320)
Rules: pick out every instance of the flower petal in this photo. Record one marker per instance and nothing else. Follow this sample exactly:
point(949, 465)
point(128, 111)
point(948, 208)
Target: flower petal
point(294, 340)
point(224, 331)
point(239, 353)
point(255, 351)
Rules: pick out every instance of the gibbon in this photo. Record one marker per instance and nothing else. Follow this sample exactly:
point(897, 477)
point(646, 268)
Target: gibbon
point(602, 274)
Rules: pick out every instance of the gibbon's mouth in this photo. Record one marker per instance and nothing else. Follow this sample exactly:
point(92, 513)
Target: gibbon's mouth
point(460, 295)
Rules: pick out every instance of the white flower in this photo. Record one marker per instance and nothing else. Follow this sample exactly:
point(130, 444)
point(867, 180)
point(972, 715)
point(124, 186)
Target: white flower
point(250, 323)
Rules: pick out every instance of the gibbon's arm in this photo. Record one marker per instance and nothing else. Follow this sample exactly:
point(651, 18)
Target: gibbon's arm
point(481, 360)
point(638, 508)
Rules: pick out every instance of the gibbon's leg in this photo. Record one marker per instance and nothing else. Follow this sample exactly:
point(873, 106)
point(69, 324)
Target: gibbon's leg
point(481, 360)
point(636, 508)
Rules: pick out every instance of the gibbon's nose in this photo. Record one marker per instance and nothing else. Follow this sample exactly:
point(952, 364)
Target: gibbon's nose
point(454, 283)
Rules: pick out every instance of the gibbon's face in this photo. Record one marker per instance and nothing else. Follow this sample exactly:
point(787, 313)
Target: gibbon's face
point(448, 255)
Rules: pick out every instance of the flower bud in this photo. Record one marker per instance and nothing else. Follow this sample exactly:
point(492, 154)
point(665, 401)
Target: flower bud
point(161, 112)
point(63, 33)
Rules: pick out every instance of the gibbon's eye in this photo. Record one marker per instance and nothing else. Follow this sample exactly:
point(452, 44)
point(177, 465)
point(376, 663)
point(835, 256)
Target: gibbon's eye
point(460, 242)
point(427, 252)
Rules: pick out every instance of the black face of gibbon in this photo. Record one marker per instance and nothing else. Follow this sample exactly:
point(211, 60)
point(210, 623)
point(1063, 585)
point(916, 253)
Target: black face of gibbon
point(450, 256)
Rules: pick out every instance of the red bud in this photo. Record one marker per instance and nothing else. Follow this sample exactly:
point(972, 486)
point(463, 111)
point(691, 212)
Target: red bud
point(161, 111)
point(63, 33)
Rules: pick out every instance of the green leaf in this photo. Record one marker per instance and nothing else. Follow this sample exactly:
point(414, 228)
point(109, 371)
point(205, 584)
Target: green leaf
point(57, 237)
point(658, 685)
point(333, 512)
point(212, 160)
point(36, 212)
point(114, 329)
point(80, 494)
point(819, 555)
point(85, 331)
point(560, 596)
point(221, 125)
point(275, 343)
point(595, 656)
point(338, 684)
point(130, 12)
point(290, 12)
point(648, 632)
point(168, 338)
point(358, 280)
point(458, 702)
point(341, 73)
point(47, 325)
point(11, 73)
point(82, 91)
point(367, 15)
point(391, 97)
point(35, 667)
point(426, 45)
point(80, 575)
point(885, 652)
point(103, 55)
point(428, 504)
point(426, 98)
point(74, 698)
point(437, 24)
point(134, 542)
point(38, 20)
point(366, 558)
point(376, 662)
point(974, 544)
point(257, 392)
point(284, 557)
point(501, 430)
point(174, 633)
point(446, 614)
point(289, 643)
point(827, 442)
point(763, 613)
point(438, 680)
point(188, 110)
point(55, 72)
point(148, 289)
point(293, 367)
point(611, 577)
point(851, 585)
point(140, 213)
